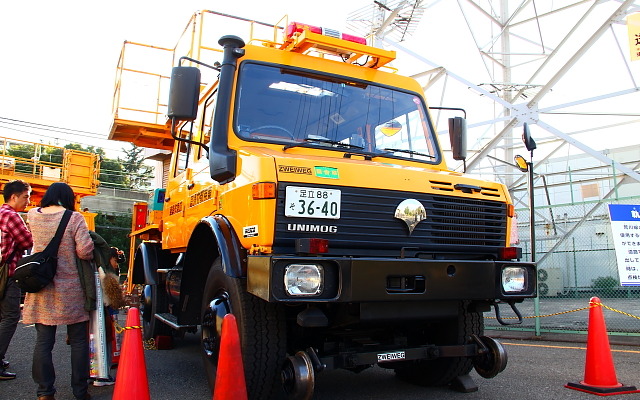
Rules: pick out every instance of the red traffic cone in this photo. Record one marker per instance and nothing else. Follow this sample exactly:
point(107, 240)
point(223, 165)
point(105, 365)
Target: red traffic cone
point(599, 371)
point(131, 379)
point(230, 382)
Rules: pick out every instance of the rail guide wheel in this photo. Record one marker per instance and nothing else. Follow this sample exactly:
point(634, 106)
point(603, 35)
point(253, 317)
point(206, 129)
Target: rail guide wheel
point(494, 359)
point(298, 377)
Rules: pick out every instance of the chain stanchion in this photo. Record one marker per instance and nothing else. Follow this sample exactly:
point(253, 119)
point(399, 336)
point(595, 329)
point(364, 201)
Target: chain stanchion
point(599, 371)
point(131, 378)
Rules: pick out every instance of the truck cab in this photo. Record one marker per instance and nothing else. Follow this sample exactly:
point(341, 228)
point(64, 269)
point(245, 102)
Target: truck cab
point(309, 196)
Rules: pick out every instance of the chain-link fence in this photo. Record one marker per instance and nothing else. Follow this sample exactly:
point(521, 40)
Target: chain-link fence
point(576, 261)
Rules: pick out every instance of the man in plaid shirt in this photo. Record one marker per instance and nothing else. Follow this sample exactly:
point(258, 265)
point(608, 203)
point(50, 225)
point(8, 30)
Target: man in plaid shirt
point(16, 238)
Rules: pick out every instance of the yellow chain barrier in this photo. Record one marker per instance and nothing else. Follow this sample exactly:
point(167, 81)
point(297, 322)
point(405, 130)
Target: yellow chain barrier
point(120, 329)
point(618, 311)
point(591, 305)
point(150, 344)
point(147, 344)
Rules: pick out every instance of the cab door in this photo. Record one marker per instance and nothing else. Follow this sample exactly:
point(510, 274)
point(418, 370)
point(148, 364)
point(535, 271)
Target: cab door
point(191, 192)
point(202, 190)
point(173, 235)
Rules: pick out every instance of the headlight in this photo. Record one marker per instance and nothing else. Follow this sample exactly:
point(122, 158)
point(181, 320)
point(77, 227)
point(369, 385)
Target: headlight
point(514, 279)
point(303, 279)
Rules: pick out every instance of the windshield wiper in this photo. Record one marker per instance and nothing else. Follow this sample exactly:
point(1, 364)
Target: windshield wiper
point(412, 152)
point(334, 143)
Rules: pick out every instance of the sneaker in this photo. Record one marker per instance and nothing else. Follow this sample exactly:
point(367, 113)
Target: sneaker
point(104, 382)
point(5, 364)
point(6, 375)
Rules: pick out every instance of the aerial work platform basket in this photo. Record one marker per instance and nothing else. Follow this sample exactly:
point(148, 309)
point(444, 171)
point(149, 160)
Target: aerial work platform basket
point(142, 76)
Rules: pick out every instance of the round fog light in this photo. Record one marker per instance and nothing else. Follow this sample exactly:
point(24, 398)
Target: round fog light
point(303, 279)
point(514, 279)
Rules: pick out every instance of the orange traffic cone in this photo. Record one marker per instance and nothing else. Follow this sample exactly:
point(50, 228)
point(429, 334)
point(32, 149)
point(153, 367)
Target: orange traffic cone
point(230, 382)
point(131, 379)
point(599, 372)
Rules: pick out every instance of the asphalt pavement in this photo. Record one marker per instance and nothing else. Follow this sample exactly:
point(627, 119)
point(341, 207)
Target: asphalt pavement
point(537, 369)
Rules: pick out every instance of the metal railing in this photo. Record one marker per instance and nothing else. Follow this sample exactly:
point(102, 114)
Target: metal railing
point(142, 73)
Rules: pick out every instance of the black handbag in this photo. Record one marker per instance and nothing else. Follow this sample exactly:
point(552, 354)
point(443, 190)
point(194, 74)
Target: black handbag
point(35, 271)
point(4, 274)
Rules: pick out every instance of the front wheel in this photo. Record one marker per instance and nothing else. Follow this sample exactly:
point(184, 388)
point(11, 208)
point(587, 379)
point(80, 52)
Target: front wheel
point(154, 301)
point(261, 327)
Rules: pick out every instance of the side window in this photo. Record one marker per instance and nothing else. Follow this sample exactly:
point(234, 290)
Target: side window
point(200, 133)
point(184, 149)
point(207, 123)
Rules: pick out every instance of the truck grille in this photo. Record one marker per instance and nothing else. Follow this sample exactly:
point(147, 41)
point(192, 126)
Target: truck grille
point(367, 222)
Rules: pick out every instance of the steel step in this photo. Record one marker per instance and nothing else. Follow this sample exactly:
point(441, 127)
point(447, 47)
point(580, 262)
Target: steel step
point(172, 321)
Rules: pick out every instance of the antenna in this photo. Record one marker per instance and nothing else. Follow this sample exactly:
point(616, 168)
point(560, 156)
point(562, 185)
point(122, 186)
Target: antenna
point(396, 19)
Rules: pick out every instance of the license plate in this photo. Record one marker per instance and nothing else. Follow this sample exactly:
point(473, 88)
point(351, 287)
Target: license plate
point(308, 202)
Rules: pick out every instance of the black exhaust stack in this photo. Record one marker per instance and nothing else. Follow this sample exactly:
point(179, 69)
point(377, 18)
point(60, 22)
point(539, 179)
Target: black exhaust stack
point(222, 160)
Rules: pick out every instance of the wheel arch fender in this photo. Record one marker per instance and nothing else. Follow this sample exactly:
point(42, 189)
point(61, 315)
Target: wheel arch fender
point(213, 237)
point(145, 263)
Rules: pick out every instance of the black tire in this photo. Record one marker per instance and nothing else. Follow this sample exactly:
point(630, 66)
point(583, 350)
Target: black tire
point(442, 371)
point(262, 331)
point(154, 302)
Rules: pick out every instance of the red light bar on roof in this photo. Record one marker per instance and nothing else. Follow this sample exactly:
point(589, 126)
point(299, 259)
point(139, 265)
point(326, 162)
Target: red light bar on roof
point(298, 27)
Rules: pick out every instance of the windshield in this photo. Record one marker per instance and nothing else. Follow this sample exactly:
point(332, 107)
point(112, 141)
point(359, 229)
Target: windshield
point(293, 107)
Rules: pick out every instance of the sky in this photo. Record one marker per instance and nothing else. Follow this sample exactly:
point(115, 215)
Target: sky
point(59, 57)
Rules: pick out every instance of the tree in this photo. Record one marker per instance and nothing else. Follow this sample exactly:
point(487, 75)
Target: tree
point(111, 173)
point(137, 174)
point(115, 230)
point(23, 157)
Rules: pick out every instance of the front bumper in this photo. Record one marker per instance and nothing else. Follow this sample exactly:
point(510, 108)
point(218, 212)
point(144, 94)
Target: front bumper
point(350, 280)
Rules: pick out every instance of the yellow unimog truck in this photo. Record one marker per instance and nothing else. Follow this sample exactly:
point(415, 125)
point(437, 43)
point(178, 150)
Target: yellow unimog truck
point(308, 195)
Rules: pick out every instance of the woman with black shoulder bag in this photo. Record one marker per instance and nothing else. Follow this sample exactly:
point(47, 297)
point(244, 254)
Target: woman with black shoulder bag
point(61, 302)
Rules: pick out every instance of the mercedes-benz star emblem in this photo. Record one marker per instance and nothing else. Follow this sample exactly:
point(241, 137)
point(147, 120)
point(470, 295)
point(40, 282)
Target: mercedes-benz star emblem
point(411, 211)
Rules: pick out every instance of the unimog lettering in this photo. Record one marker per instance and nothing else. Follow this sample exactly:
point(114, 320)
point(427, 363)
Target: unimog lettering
point(312, 228)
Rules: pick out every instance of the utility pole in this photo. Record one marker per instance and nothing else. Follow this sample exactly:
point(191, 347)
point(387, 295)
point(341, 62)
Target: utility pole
point(527, 166)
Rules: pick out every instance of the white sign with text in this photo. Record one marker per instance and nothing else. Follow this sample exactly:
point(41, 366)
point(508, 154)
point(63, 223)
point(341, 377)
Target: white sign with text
point(625, 225)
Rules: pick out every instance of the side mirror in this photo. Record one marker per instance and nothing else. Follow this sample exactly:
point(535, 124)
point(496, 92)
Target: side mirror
point(184, 92)
point(529, 143)
point(458, 137)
